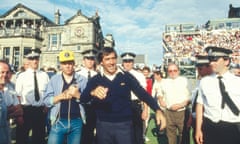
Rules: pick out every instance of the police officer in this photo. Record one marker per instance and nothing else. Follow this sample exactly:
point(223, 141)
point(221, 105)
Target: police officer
point(219, 96)
point(139, 114)
point(203, 68)
point(88, 71)
point(30, 86)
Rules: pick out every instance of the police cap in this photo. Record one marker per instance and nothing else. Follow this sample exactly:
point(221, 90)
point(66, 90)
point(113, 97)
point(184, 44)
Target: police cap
point(128, 56)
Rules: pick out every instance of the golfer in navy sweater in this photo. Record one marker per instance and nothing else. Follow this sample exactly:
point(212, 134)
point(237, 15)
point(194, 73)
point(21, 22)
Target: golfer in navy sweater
point(109, 91)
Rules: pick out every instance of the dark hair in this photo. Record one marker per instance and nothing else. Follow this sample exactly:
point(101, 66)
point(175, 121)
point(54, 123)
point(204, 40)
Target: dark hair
point(158, 73)
point(5, 62)
point(104, 52)
point(146, 68)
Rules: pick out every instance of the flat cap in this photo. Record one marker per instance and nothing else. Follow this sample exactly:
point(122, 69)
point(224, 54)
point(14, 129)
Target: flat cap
point(128, 56)
point(201, 60)
point(217, 51)
point(33, 53)
point(89, 53)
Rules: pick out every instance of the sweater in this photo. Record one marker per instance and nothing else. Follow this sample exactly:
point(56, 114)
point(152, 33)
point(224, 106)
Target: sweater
point(116, 107)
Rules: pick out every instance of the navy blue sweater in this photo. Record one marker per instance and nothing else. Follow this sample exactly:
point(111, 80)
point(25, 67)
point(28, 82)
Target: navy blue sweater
point(116, 107)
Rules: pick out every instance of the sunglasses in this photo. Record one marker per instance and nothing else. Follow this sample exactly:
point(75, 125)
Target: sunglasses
point(171, 71)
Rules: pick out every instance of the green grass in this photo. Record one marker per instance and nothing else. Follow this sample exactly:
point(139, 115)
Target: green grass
point(154, 139)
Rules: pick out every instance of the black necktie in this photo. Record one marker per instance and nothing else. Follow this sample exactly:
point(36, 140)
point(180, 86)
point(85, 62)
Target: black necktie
point(194, 102)
point(36, 93)
point(89, 74)
point(226, 99)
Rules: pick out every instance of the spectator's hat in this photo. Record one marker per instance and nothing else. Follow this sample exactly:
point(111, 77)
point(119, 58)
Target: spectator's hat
point(218, 51)
point(90, 54)
point(128, 56)
point(33, 54)
point(201, 60)
point(66, 55)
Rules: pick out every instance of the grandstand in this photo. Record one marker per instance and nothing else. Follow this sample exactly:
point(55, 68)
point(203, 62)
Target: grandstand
point(181, 42)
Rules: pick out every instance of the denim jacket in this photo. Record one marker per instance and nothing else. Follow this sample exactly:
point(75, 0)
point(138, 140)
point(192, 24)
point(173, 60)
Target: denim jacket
point(54, 88)
point(4, 128)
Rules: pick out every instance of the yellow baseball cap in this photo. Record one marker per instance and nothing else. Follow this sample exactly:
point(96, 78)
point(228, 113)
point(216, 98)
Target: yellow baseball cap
point(66, 55)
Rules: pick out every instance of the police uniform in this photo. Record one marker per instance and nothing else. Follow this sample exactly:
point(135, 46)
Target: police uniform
point(201, 60)
point(136, 103)
point(88, 129)
point(33, 108)
point(88, 73)
point(220, 96)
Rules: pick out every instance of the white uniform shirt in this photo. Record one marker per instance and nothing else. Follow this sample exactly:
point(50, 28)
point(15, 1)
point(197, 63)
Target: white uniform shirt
point(175, 91)
point(25, 87)
point(84, 72)
point(141, 79)
point(211, 98)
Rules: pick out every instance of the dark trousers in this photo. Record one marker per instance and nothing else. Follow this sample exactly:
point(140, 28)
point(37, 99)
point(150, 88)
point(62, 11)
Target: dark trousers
point(186, 128)
point(137, 122)
point(34, 119)
point(194, 129)
point(88, 129)
point(114, 132)
point(220, 133)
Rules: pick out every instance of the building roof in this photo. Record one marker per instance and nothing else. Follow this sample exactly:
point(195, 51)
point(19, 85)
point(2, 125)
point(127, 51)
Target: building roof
point(19, 5)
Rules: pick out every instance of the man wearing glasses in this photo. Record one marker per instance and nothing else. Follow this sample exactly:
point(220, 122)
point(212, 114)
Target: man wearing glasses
point(174, 95)
point(217, 110)
point(30, 86)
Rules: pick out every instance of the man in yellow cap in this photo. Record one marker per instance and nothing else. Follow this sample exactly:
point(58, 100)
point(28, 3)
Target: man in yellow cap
point(62, 97)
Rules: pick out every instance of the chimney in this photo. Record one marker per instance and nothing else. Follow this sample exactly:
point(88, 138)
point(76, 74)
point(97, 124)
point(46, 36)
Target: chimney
point(57, 17)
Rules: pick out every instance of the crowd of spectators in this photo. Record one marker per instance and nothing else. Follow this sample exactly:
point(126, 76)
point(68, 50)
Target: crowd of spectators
point(184, 45)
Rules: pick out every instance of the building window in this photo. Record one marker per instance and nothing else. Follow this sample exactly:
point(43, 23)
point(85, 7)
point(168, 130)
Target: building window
point(78, 48)
point(54, 41)
point(6, 54)
point(16, 57)
point(26, 50)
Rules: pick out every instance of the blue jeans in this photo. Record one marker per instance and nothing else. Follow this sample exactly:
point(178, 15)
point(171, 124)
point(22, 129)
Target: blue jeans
point(71, 129)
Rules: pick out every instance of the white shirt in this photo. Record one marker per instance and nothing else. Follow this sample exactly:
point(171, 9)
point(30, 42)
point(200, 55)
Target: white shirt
point(25, 87)
point(84, 72)
point(141, 79)
point(175, 91)
point(210, 97)
point(156, 90)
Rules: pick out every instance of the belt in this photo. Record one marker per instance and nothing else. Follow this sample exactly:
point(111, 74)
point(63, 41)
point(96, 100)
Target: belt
point(221, 123)
point(31, 106)
point(179, 110)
